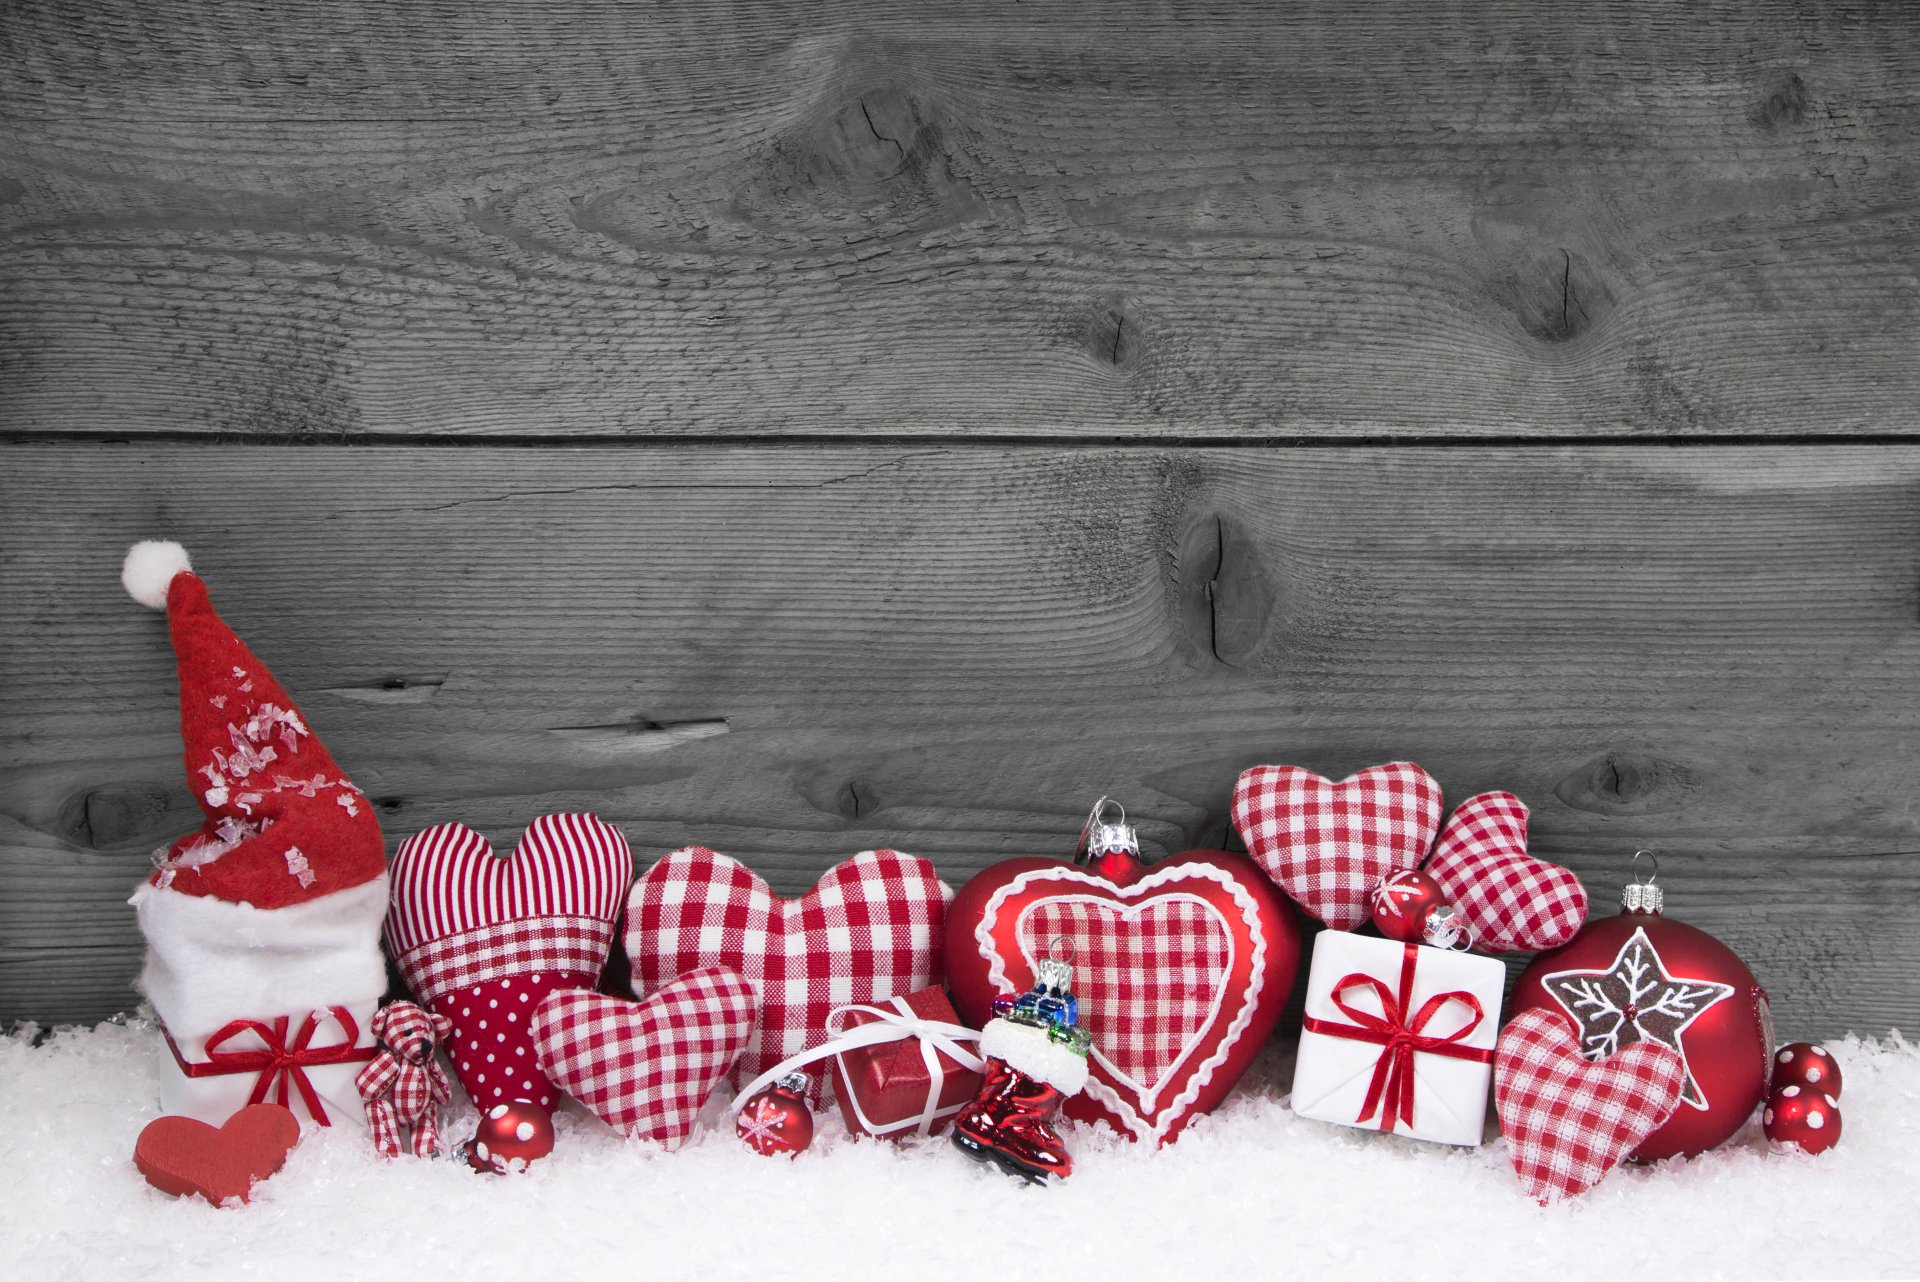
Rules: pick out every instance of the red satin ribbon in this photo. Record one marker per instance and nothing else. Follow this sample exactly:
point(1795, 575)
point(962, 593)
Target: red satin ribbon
point(279, 1064)
point(1391, 1088)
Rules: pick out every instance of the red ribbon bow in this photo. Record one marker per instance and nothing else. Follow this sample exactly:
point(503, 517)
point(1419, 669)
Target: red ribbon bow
point(278, 1063)
point(1391, 1088)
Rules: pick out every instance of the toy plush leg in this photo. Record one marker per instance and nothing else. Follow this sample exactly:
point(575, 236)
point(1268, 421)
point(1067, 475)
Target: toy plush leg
point(384, 1126)
point(426, 1134)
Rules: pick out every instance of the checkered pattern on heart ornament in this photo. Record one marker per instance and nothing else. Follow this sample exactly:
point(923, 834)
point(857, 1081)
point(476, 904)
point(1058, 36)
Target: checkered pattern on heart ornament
point(1511, 901)
point(871, 928)
point(1568, 1121)
point(1148, 977)
point(645, 1068)
point(1329, 844)
point(481, 939)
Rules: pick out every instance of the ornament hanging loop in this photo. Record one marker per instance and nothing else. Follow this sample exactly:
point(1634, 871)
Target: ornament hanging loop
point(1106, 836)
point(1643, 897)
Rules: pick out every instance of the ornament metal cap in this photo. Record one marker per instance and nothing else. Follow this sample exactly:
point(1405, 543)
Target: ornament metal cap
point(1643, 898)
point(1103, 836)
point(794, 1082)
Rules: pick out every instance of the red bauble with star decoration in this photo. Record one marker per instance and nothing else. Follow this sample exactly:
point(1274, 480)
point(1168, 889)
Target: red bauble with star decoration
point(1641, 976)
point(777, 1121)
point(511, 1137)
point(1800, 1119)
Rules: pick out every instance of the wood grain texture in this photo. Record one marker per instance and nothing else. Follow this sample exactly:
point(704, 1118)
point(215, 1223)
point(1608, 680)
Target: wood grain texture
point(794, 654)
point(1207, 221)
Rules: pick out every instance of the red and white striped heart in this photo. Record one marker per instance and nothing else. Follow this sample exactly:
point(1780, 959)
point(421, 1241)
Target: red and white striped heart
point(482, 940)
point(1329, 844)
point(1513, 902)
point(1568, 1121)
point(645, 1068)
point(872, 928)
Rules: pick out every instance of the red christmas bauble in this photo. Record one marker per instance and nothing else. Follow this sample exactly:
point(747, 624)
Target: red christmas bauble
point(1804, 1064)
point(1800, 1118)
point(776, 1121)
point(511, 1137)
point(1402, 904)
point(1643, 977)
point(1181, 967)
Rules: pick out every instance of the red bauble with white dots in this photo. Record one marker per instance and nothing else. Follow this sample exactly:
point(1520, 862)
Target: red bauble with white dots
point(1805, 1064)
point(777, 1121)
point(512, 1136)
point(1403, 902)
point(1800, 1119)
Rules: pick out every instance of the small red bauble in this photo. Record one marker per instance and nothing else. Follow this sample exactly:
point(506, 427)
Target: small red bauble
point(1402, 903)
point(1804, 1064)
point(777, 1120)
point(1800, 1119)
point(511, 1137)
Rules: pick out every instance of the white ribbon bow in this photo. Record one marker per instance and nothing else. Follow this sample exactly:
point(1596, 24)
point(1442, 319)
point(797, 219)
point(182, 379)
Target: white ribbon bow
point(893, 1023)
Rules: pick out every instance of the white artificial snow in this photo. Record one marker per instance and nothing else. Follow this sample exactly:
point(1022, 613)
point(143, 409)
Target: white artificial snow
point(1250, 1192)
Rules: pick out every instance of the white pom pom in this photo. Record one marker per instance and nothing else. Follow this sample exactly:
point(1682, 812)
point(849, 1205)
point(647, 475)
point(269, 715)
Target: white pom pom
point(149, 568)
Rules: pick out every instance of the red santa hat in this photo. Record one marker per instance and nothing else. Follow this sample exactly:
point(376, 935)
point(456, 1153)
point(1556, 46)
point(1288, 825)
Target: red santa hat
point(274, 904)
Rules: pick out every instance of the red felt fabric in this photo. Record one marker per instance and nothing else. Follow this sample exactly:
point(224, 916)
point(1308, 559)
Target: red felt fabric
point(296, 827)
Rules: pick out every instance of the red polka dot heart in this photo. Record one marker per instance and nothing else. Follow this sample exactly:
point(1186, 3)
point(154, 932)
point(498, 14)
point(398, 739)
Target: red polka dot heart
point(482, 939)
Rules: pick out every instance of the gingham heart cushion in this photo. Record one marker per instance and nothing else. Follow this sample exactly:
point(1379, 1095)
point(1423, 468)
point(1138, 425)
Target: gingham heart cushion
point(645, 1068)
point(872, 928)
point(481, 939)
point(1568, 1121)
point(1329, 844)
point(1512, 901)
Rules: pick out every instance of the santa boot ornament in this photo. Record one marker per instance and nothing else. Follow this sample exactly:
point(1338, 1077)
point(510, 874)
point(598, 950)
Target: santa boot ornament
point(1036, 1059)
point(263, 926)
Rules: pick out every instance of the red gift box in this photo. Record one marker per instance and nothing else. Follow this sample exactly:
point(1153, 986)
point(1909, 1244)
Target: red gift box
point(909, 1086)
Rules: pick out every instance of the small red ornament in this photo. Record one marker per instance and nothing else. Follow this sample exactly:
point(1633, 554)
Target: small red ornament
point(511, 1137)
point(1805, 1064)
point(1644, 977)
point(1800, 1119)
point(777, 1120)
point(1402, 903)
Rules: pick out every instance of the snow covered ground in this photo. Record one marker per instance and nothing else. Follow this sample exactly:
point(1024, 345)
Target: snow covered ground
point(1253, 1191)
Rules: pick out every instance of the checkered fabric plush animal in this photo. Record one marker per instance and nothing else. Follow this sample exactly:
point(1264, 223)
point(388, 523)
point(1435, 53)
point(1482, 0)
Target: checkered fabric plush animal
point(405, 1086)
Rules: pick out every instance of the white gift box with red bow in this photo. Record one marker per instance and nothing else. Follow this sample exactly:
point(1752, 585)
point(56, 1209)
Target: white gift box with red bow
point(1398, 1038)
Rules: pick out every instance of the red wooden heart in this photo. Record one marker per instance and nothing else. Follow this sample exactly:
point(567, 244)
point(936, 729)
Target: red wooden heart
point(182, 1155)
point(869, 930)
point(645, 1068)
point(1181, 970)
point(1329, 844)
point(1569, 1121)
point(481, 939)
point(1513, 902)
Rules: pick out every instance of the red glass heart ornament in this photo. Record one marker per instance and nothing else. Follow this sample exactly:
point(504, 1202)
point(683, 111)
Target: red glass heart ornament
point(183, 1156)
point(1181, 970)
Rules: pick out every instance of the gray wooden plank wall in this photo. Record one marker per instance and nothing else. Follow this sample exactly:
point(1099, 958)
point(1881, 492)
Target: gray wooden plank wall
point(805, 428)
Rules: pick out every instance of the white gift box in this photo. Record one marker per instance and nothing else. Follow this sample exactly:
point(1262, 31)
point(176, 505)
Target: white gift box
point(1398, 1037)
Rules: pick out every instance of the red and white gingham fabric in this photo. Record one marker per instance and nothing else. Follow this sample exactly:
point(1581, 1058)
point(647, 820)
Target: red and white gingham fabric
point(1567, 1121)
point(1148, 980)
point(1513, 902)
point(872, 928)
point(645, 1068)
point(1329, 844)
point(481, 940)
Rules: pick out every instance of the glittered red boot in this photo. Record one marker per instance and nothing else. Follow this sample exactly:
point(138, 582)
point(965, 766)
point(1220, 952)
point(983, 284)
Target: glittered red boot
point(1029, 1075)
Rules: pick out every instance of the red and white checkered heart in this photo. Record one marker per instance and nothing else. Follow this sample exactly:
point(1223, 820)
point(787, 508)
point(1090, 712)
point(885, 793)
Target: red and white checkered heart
point(1513, 902)
point(872, 928)
point(1567, 1121)
point(1329, 844)
point(481, 939)
point(645, 1068)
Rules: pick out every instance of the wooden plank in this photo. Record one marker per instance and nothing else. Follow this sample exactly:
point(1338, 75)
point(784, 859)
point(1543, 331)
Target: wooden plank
point(1134, 220)
point(795, 654)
